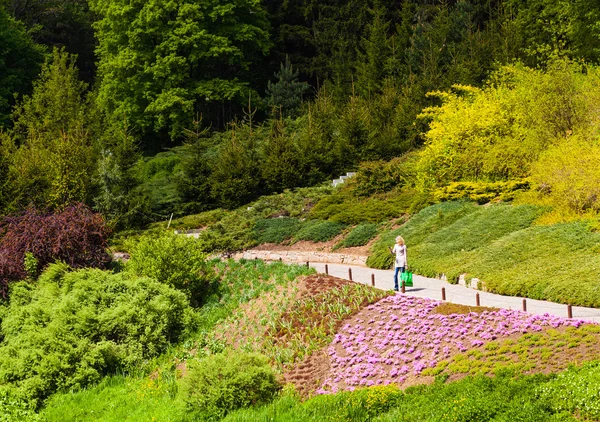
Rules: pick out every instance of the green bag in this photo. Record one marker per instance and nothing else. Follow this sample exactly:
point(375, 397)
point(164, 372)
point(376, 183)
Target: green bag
point(406, 278)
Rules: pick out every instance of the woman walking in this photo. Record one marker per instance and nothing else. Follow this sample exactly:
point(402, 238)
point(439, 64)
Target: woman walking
point(401, 263)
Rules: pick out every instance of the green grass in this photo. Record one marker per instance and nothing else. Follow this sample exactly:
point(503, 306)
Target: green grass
point(119, 399)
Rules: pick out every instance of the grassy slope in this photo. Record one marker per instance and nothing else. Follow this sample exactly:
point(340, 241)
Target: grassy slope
point(507, 397)
point(500, 245)
point(291, 330)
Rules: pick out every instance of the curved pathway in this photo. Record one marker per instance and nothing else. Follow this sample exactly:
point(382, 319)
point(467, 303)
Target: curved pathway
point(432, 288)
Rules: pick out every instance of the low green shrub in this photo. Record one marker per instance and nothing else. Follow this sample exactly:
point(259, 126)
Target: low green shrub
point(218, 384)
point(574, 391)
point(475, 230)
point(318, 231)
point(290, 203)
point(275, 230)
point(75, 327)
point(176, 260)
point(14, 408)
point(359, 236)
point(344, 207)
point(481, 192)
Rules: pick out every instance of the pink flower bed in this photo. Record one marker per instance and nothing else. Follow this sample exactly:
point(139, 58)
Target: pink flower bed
point(395, 339)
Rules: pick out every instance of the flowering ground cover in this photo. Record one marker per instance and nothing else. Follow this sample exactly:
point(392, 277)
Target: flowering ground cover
point(403, 340)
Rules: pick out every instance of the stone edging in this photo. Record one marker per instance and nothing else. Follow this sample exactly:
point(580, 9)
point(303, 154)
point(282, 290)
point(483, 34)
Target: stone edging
point(303, 256)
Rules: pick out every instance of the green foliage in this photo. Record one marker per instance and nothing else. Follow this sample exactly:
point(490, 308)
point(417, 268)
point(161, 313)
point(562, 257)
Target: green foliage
point(234, 180)
point(178, 261)
point(275, 230)
point(359, 236)
point(344, 207)
point(523, 263)
point(376, 177)
point(472, 399)
point(15, 408)
point(574, 391)
point(285, 95)
point(20, 62)
point(500, 245)
point(219, 384)
point(160, 63)
point(119, 399)
point(193, 182)
point(566, 176)
point(318, 231)
point(56, 158)
point(155, 394)
point(116, 181)
point(290, 203)
point(481, 192)
point(497, 132)
point(31, 265)
point(281, 163)
point(158, 182)
point(73, 328)
point(243, 281)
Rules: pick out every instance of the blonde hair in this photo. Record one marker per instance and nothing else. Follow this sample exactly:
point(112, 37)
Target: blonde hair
point(400, 240)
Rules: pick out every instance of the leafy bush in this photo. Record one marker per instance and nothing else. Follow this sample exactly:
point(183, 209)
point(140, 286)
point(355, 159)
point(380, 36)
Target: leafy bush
point(221, 383)
point(75, 327)
point(275, 230)
point(481, 192)
point(14, 408)
point(375, 177)
point(568, 176)
point(497, 132)
point(76, 236)
point(319, 231)
point(290, 203)
point(178, 261)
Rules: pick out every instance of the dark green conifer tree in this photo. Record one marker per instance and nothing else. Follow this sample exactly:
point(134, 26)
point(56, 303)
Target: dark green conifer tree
point(281, 164)
point(286, 93)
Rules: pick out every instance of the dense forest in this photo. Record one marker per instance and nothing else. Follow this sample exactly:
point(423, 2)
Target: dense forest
point(143, 109)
